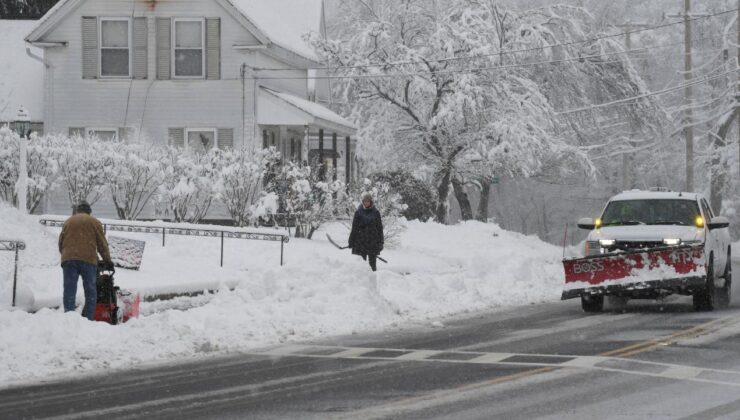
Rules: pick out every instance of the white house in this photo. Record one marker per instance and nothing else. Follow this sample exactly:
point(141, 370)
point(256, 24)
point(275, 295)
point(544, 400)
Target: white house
point(234, 72)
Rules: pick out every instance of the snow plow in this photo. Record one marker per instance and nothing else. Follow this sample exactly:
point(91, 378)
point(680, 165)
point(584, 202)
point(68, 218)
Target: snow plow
point(651, 244)
point(114, 305)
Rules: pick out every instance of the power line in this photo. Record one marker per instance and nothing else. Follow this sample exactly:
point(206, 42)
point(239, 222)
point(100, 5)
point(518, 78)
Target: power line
point(656, 93)
point(499, 53)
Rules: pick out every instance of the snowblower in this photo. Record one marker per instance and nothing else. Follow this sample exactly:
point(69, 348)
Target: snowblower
point(114, 305)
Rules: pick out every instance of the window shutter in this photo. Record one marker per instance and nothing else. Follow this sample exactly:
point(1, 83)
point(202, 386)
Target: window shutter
point(164, 46)
point(140, 46)
point(213, 48)
point(225, 138)
point(89, 47)
point(177, 137)
point(77, 131)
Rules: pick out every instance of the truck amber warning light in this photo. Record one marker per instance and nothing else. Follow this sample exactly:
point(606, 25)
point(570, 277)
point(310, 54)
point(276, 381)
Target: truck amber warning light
point(699, 222)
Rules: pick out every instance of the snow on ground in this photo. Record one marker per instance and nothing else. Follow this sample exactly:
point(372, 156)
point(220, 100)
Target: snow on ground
point(437, 271)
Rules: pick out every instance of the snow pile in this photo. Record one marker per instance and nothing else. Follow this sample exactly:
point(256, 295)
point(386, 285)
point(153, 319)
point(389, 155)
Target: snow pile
point(435, 271)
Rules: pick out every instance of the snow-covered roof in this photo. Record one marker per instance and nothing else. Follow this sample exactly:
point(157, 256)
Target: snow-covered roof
point(317, 113)
point(21, 77)
point(285, 22)
point(653, 195)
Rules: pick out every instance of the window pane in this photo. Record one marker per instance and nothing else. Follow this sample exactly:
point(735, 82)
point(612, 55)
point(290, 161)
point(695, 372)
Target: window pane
point(188, 62)
point(114, 33)
point(188, 35)
point(103, 135)
point(114, 62)
point(201, 141)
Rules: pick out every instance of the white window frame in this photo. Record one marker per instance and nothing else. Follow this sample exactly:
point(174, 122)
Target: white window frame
point(90, 130)
point(213, 130)
point(100, 46)
point(202, 47)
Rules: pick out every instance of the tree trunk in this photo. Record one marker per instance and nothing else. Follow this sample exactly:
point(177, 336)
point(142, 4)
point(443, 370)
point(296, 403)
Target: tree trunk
point(485, 192)
point(466, 209)
point(443, 190)
point(718, 169)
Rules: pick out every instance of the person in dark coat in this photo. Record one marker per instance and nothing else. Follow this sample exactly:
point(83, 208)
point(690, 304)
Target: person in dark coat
point(366, 238)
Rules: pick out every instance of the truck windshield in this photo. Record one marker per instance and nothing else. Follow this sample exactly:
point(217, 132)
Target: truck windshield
point(650, 212)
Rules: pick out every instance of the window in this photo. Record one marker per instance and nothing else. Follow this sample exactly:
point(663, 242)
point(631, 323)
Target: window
point(651, 212)
point(188, 55)
point(200, 140)
point(115, 51)
point(104, 134)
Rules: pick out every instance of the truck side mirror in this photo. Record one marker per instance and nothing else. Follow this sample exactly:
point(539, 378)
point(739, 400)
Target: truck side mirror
point(586, 223)
point(718, 222)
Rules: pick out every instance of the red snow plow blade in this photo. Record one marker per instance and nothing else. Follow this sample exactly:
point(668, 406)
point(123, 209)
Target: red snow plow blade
point(647, 273)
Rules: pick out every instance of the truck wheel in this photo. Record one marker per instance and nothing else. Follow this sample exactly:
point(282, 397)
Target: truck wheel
point(592, 303)
point(724, 293)
point(704, 298)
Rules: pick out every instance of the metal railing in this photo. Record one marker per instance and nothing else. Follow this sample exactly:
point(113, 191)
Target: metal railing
point(13, 245)
point(203, 232)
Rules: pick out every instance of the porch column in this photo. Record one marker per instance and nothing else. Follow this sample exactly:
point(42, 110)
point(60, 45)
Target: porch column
point(347, 162)
point(304, 146)
point(334, 155)
point(283, 143)
point(322, 168)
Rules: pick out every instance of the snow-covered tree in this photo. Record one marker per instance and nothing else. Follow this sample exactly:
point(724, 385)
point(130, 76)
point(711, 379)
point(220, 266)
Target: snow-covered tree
point(241, 174)
point(190, 185)
point(135, 173)
point(305, 197)
point(83, 165)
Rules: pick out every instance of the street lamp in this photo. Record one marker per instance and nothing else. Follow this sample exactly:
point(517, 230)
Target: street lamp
point(23, 127)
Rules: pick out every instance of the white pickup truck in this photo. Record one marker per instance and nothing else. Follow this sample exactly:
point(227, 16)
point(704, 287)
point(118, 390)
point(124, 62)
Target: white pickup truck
point(650, 244)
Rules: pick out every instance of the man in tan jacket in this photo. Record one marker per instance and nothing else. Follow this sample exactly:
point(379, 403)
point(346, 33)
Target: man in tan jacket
point(81, 239)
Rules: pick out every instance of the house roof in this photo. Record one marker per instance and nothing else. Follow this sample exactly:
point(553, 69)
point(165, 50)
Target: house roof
point(22, 77)
point(278, 108)
point(282, 22)
point(285, 22)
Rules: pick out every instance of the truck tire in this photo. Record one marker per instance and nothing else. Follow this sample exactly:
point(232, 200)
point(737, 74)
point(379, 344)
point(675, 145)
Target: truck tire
point(724, 293)
point(592, 303)
point(704, 298)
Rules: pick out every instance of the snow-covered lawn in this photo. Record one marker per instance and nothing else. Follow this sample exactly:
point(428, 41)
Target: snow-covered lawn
point(437, 271)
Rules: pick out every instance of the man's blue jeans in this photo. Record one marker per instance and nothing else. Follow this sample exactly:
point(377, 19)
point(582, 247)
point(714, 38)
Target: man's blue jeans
point(72, 270)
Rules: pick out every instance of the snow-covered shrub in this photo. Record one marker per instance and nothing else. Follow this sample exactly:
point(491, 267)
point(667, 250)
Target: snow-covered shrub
point(416, 194)
point(137, 170)
point(304, 197)
point(240, 182)
point(189, 186)
point(386, 200)
point(41, 163)
point(84, 163)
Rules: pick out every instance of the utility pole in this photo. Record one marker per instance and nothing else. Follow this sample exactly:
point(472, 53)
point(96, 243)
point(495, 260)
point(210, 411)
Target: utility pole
point(627, 156)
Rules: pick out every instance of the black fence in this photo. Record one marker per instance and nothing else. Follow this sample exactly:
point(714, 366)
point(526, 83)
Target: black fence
point(15, 246)
point(198, 232)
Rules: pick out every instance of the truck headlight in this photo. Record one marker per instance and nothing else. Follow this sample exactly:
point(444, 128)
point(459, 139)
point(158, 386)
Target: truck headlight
point(605, 243)
point(671, 241)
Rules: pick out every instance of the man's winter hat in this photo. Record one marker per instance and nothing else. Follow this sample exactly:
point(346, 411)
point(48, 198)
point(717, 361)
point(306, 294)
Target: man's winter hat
point(83, 207)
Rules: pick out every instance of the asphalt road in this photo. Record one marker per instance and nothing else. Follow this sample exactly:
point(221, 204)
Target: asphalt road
point(649, 359)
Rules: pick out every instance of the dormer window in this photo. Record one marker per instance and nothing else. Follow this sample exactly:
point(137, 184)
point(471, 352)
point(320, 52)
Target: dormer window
point(187, 55)
point(115, 51)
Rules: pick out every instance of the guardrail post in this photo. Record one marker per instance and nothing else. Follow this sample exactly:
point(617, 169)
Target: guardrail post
point(15, 274)
point(281, 251)
point(163, 230)
point(222, 248)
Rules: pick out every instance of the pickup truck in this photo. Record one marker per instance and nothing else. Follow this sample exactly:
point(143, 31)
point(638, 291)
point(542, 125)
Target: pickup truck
point(651, 244)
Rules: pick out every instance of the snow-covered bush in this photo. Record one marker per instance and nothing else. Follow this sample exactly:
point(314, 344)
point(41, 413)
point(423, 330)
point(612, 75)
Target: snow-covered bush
point(83, 164)
point(189, 186)
point(386, 200)
point(304, 197)
point(240, 182)
point(416, 194)
point(41, 163)
point(136, 171)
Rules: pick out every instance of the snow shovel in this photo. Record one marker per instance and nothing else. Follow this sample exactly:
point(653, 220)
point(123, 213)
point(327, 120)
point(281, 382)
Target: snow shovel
point(345, 247)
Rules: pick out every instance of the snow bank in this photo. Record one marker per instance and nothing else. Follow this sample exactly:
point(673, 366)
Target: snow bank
point(436, 271)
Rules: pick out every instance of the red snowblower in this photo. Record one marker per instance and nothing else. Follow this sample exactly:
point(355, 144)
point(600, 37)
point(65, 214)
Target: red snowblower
point(114, 305)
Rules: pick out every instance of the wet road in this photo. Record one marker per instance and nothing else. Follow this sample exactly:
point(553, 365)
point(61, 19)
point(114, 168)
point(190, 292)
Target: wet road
point(552, 361)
